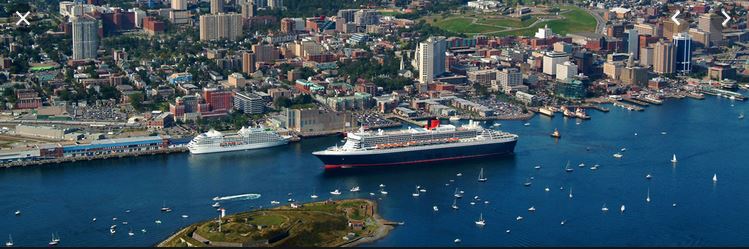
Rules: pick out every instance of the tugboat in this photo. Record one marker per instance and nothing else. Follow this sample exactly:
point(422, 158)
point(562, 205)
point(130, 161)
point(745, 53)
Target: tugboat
point(567, 113)
point(556, 134)
point(580, 113)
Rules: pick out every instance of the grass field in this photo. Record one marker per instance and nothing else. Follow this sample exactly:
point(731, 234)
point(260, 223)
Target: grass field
point(575, 20)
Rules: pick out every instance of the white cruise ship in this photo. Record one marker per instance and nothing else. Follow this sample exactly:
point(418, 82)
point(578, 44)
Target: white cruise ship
point(245, 139)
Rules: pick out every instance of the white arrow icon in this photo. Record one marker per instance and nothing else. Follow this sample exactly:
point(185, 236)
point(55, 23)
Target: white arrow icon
point(23, 18)
point(728, 18)
point(673, 18)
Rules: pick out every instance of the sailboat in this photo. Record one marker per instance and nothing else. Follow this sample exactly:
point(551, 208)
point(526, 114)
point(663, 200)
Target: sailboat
point(216, 205)
point(647, 199)
point(131, 233)
point(527, 182)
point(54, 241)
point(673, 160)
point(455, 204)
point(604, 208)
point(10, 241)
point(741, 115)
point(567, 168)
point(457, 194)
point(648, 176)
point(313, 196)
point(335, 192)
point(354, 189)
point(715, 177)
point(622, 208)
point(416, 193)
point(435, 208)
point(164, 208)
point(18, 212)
point(532, 209)
point(481, 176)
point(481, 222)
point(570, 192)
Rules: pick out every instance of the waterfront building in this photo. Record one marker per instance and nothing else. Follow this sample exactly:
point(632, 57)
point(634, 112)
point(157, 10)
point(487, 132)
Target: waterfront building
point(613, 69)
point(220, 26)
point(647, 56)
point(218, 102)
point(483, 77)
point(683, 49)
point(316, 121)
point(430, 57)
point(571, 89)
point(566, 70)
point(633, 43)
point(508, 78)
point(249, 103)
point(711, 24)
point(663, 57)
point(85, 37)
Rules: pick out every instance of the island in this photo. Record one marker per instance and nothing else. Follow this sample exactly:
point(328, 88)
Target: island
point(339, 223)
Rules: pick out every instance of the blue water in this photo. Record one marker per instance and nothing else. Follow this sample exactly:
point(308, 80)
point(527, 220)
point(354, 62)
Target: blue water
point(706, 136)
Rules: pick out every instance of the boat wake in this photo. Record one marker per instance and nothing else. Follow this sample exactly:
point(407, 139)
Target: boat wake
point(237, 197)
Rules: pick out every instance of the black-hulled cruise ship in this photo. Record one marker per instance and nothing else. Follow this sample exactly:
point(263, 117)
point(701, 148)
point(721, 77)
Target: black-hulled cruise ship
point(432, 143)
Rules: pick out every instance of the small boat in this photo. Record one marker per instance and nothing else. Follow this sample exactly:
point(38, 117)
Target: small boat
point(112, 226)
point(456, 241)
point(274, 202)
point(93, 220)
point(131, 233)
point(290, 200)
point(423, 190)
point(623, 149)
point(416, 193)
point(10, 241)
point(547, 189)
point(570, 193)
point(216, 205)
point(382, 185)
point(519, 218)
point(622, 208)
point(532, 209)
point(647, 199)
point(486, 202)
point(617, 155)
point(127, 211)
point(562, 223)
point(472, 203)
point(527, 124)
point(673, 205)
point(594, 167)
point(354, 189)
point(114, 218)
point(663, 133)
point(124, 223)
point(455, 204)
point(18, 212)
point(383, 192)
point(481, 222)
point(507, 231)
point(54, 241)
point(648, 176)
point(459, 174)
point(604, 208)
point(370, 193)
point(556, 134)
point(537, 167)
point(454, 118)
point(715, 177)
point(164, 208)
point(581, 165)
point(55, 238)
point(497, 125)
point(435, 208)
point(112, 231)
point(185, 216)
point(635, 133)
point(481, 176)
point(335, 192)
point(457, 194)
point(527, 182)
point(157, 221)
point(673, 159)
point(567, 168)
point(741, 115)
point(143, 230)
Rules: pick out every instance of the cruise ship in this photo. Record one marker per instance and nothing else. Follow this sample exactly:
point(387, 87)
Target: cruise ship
point(432, 143)
point(245, 139)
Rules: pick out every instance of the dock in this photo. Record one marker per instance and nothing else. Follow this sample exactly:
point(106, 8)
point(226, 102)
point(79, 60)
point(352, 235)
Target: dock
point(695, 96)
point(95, 157)
point(650, 101)
point(628, 106)
point(635, 101)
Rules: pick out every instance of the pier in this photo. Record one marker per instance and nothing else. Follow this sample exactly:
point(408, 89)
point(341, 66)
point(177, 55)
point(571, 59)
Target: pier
point(695, 96)
point(95, 157)
point(650, 101)
point(635, 101)
point(627, 106)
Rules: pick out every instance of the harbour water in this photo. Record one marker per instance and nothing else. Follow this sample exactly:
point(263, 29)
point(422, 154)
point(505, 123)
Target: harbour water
point(706, 136)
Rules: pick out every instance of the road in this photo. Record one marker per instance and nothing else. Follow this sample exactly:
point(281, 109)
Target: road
point(600, 23)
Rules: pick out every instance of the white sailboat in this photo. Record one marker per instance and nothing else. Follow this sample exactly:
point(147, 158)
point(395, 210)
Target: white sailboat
point(481, 176)
point(604, 208)
point(647, 199)
point(532, 209)
point(18, 212)
point(481, 222)
point(335, 192)
point(313, 196)
point(54, 241)
point(354, 189)
point(216, 205)
point(648, 176)
point(416, 193)
point(457, 194)
point(622, 208)
point(567, 168)
point(673, 160)
point(131, 233)
point(455, 204)
point(435, 208)
point(570, 193)
point(715, 177)
point(10, 241)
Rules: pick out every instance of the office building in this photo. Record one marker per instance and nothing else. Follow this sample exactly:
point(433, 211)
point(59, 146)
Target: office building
point(551, 60)
point(566, 70)
point(248, 62)
point(711, 23)
point(247, 8)
point(683, 57)
point(265, 53)
point(249, 103)
point(179, 4)
point(633, 43)
point(217, 6)
point(85, 37)
point(220, 26)
point(663, 57)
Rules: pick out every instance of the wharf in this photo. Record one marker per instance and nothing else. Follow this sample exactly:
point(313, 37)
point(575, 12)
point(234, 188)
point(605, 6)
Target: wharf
point(695, 96)
point(635, 101)
point(96, 157)
point(628, 106)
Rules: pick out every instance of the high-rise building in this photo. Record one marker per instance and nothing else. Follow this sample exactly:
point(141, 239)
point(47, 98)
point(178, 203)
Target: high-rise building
point(551, 60)
point(566, 70)
point(670, 28)
point(712, 24)
point(345, 16)
point(248, 8)
point(249, 103)
point(217, 6)
point(220, 26)
point(275, 4)
point(179, 4)
point(509, 77)
point(633, 43)
point(85, 37)
point(287, 25)
point(366, 17)
point(265, 53)
point(248, 62)
point(584, 62)
point(431, 58)
point(683, 57)
point(663, 57)
point(646, 56)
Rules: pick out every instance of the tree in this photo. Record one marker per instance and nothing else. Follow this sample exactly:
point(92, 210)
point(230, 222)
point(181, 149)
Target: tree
point(136, 100)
